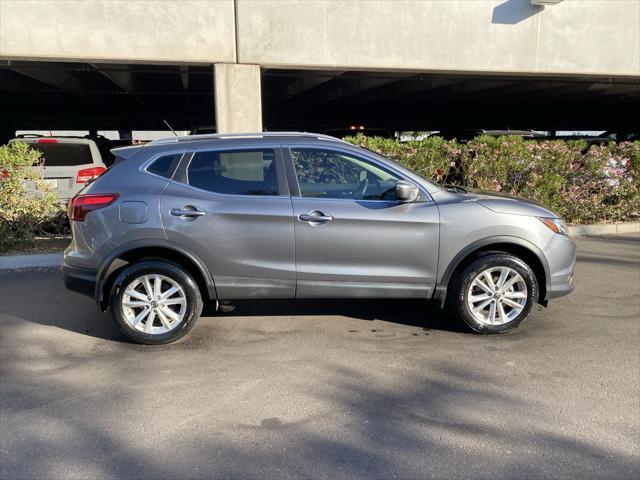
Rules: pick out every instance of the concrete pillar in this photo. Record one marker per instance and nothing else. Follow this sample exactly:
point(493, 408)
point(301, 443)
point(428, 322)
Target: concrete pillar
point(238, 98)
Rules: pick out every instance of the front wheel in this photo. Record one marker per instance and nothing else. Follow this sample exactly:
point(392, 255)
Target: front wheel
point(155, 302)
point(495, 294)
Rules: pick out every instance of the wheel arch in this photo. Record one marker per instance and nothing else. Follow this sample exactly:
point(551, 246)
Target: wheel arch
point(519, 247)
point(164, 249)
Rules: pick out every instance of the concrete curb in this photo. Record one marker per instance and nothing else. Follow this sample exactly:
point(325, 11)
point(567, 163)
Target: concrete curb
point(603, 229)
point(12, 262)
point(43, 260)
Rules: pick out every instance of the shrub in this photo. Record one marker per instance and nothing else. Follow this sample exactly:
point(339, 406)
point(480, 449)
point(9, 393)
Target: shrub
point(583, 185)
point(28, 206)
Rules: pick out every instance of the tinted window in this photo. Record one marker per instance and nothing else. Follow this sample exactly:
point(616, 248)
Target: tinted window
point(240, 172)
point(330, 174)
point(165, 166)
point(64, 154)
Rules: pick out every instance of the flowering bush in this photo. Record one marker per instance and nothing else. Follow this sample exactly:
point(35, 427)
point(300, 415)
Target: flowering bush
point(583, 185)
point(28, 206)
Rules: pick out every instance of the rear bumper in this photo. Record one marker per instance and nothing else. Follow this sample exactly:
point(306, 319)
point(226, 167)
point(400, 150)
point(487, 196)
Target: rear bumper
point(80, 280)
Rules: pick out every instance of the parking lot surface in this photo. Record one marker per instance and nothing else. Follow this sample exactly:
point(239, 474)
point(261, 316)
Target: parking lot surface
point(326, 389)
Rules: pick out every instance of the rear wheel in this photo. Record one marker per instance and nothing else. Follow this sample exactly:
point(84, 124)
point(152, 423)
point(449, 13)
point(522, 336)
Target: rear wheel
point(155, 302)
point(495, 293)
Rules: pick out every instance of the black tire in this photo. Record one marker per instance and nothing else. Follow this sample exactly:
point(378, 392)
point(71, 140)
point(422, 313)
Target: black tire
point(168, 269)
point(462, 281)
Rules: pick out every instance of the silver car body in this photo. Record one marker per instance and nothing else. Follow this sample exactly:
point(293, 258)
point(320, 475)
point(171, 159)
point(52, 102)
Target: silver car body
point(253, 246)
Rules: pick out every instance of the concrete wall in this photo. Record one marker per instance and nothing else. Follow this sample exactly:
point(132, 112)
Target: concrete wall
point(573, 37)
point(134, 30)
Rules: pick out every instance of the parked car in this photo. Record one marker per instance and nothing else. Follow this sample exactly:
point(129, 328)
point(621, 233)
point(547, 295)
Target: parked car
point(225, 217)
point(621, 136)
point(354, 130)
point(464, 136)
point(69, 162)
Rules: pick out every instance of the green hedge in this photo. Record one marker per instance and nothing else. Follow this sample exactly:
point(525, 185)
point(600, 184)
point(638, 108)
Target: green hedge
point(28, 206)
point(583, 185)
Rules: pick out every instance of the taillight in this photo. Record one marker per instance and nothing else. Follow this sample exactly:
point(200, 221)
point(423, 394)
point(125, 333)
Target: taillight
point(80, 205)
point(47, 140)
point(87, 174)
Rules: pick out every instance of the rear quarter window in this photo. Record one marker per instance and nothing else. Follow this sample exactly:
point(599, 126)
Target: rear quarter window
point(165, 166)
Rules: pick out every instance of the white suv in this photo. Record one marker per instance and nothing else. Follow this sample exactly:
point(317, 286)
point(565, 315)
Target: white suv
point(69, 162)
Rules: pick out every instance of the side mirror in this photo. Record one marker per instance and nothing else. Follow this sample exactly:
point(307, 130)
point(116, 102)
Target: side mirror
point(406, 192)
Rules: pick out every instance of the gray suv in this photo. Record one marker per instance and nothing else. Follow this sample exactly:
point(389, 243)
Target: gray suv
point(184, 220)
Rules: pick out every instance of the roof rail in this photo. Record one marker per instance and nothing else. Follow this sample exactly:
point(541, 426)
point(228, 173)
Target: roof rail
point(223, 136)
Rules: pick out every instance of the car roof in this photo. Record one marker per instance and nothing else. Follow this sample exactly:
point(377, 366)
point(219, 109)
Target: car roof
point(250, 137)
point(38, 138)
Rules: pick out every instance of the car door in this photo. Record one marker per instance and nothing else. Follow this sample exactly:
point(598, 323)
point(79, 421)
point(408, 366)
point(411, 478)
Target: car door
point(352, 237)
point(232, 208)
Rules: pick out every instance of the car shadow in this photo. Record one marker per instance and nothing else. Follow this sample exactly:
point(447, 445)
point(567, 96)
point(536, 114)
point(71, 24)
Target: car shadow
point(414, 313)
point(52, 305)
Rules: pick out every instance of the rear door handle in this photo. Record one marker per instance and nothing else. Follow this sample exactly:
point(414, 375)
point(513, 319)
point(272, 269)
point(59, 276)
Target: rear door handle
point(315, 216)
point(187, 212)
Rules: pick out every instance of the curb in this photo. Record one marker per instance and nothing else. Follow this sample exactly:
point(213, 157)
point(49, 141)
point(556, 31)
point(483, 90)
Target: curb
point(603, 229)
point(12, 262)
point(44, 260)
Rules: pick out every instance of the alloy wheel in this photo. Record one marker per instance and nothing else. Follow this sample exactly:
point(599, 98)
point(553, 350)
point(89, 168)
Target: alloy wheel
point(154, 304)
point(497, 296)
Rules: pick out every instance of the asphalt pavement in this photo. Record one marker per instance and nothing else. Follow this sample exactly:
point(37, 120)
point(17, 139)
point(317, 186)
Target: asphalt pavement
point(326, 389)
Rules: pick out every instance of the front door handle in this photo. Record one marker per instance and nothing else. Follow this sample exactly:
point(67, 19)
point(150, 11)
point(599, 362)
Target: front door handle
point(187, 211)
point(315, 217)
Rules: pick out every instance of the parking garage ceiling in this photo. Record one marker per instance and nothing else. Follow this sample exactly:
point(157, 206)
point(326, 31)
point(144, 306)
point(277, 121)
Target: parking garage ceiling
point(41, 95)
point(420, 101)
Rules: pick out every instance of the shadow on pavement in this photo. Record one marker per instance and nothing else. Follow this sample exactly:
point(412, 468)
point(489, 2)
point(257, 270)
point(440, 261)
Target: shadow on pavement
point(415, 313)
point(50, 304)
point(414, 428)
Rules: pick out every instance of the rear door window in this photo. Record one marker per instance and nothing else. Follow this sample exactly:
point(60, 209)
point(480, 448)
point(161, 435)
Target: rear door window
point(237, 172)
point(64, 154)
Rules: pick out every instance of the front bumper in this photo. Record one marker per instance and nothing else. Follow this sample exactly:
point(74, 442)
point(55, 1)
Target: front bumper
point(560, 253)
point(561, 289)
point(80, 280)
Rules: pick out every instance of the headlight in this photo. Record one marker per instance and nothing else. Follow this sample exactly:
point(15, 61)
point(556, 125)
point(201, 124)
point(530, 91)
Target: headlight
point(555, 224)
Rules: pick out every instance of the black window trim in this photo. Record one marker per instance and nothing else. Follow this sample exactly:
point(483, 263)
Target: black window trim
point(294, 185)
point(283, 189)
point(145, 166)
point(174, 166)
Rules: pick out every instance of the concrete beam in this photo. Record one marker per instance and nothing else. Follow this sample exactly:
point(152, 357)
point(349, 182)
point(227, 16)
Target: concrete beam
point(512, 36)
point(185, 31)
point(120, 78)
point(238, 98)
point(184, 77)
point(51, 75)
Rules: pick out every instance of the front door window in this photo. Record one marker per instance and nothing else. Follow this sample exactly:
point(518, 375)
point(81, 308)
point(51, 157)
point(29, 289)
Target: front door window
point(333, 174)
